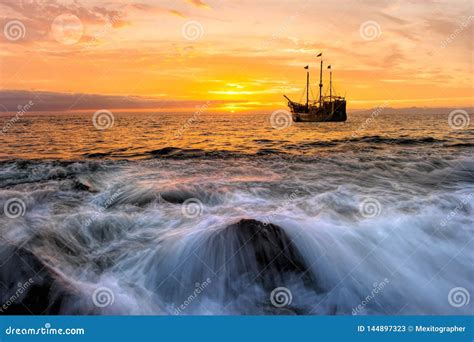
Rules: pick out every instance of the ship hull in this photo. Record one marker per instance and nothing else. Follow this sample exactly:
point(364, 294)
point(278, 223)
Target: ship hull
point(334, 111)
point(307, 117)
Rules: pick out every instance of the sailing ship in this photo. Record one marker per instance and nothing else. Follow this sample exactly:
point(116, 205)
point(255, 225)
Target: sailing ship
point(326, 109)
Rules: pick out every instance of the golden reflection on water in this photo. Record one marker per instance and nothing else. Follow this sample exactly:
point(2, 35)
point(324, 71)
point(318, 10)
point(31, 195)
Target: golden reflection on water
point(135, 135)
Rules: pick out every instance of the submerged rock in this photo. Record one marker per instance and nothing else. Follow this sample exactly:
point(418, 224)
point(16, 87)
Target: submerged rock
point(177, 196)
point(28, 286)
point(240, 266)
point(264, 252)
point(82, 186)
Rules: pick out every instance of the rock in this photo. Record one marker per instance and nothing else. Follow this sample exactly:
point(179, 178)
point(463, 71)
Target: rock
point(264, 252)
point(242, 263)
point(28, 287)
point(77, 185)
point(263, 255)
point(177, 196)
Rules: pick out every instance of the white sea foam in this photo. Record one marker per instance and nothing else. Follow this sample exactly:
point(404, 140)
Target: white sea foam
point(121, 226)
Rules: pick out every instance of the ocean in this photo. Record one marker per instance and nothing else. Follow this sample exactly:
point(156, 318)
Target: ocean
point(204, 213)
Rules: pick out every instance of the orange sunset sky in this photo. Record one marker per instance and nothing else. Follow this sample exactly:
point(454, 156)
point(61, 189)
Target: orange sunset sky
point(240, 55)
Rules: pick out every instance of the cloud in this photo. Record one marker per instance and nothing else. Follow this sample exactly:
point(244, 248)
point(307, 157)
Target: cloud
point(47, 11)
point(10, 100)
point(154, 9)
point(394, 19)
point(393, 57)
point(177, 13)
point(198, 3)
point(37, 16)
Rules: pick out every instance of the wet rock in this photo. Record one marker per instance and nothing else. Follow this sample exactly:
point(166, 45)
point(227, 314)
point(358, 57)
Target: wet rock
point(241, 263)
point(77, 185)
point(264, 252)
point(28, 287)
point(177, 196)
point(263, 255)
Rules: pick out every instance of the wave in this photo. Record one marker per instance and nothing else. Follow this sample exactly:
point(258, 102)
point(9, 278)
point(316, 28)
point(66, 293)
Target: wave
point(317, 235)
point(282, 148)
point(377, 139)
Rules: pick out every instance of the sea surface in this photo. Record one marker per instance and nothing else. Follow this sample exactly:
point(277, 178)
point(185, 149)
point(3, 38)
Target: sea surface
point(204, 213)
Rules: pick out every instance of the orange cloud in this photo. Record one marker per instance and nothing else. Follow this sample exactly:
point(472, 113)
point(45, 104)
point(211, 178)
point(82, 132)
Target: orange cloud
point(177, 13)
point(198, 3)
point(153, 9)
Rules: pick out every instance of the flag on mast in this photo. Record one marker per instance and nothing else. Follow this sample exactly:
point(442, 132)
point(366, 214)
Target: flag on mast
point(320, 54)
point(329, 67)
point(306, 67)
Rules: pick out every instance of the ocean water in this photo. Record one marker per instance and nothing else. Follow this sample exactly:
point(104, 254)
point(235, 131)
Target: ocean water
point(211, 213)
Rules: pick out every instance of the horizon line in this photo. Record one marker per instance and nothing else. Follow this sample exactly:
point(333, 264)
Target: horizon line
point(13, 100)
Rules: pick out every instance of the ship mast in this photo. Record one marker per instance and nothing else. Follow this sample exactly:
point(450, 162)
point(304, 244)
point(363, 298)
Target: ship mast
point(330, 90)
point(307, 86)
point(330, 83)
point(320, 80)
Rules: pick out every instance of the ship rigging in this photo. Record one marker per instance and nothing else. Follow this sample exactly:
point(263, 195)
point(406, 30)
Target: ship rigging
point(327, 109)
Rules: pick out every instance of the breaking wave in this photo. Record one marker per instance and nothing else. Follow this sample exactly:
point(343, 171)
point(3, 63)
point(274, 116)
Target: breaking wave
point(116, 237)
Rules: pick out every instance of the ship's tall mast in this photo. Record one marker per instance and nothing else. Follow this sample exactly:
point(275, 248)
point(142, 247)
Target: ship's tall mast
point(320, 80)
point(307, 88)
point(330, 83)
point(330, 90)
